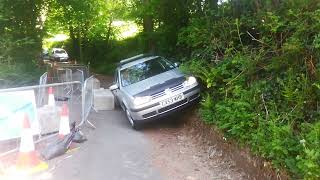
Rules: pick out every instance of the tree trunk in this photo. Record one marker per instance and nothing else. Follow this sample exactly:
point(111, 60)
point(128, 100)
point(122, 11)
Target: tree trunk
point(148, 30)
point(258, 5)
point(236, 7)
point(74, 43)
point(199, 9)
point(276, 3)
point(80, 44)
point(109, 32)
point(213, 4)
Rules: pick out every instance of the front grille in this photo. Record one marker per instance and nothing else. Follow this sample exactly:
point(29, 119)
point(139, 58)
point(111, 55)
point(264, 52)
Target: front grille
point(162, 93)
point(149, 114)
point(172, 106)
point(176, 88)
point(157, 95)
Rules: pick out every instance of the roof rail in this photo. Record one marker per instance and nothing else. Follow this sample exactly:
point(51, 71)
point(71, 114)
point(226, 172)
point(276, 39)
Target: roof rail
point(125, 61)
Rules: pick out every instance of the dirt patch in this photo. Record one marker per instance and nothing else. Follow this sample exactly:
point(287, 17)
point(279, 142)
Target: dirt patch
point(190, 149)
point(180, 152)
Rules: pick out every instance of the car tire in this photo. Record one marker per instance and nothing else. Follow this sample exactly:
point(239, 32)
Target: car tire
point(136, 125)
point(123, 107)
point(116, 103)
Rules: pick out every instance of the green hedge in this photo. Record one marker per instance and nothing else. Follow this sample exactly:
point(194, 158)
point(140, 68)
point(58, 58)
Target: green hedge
point(276, 116)
point(262, 83)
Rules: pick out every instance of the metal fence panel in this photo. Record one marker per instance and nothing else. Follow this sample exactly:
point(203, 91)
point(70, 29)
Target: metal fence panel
point(80, 77)
point(41, 91)
point(47, 117)
point(87, 99)
point(70, 85)
point(74, 67)
point(68, 78)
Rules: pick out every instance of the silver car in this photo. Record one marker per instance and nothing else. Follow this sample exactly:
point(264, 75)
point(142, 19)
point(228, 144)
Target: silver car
point(59, 54)
point(149, 87)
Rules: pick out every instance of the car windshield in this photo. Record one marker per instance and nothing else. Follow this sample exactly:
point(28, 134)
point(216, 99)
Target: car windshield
point(60, 52)
point(145, 70)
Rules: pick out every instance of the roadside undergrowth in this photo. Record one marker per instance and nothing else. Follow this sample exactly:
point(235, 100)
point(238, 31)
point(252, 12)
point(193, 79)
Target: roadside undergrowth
point(262, 87)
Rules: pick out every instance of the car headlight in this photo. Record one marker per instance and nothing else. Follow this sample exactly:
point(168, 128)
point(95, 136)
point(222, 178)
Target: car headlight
point(190, 81)
point(141, 100)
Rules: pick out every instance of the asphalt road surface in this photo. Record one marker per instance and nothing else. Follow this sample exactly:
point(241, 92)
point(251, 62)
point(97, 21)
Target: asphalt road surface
point(164, 149)
point(113, 151)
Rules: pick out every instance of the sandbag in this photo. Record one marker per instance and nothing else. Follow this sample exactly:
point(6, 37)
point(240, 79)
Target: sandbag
point(79, 137)
point(59, 146)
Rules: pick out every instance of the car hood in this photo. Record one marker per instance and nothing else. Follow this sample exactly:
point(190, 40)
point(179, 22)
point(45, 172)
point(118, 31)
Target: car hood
point(61, 55)
point(156, 83)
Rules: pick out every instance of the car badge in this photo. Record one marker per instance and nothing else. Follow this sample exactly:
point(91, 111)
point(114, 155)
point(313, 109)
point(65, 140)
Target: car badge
point(168, 91)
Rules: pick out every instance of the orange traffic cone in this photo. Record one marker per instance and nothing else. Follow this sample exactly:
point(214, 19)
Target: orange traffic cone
point(65, 126)
point(51, 101)
point(27, 157)
point(64, 121)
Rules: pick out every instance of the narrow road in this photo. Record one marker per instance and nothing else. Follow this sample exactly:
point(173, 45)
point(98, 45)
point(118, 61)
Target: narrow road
point(113, 151)
point(164, 149)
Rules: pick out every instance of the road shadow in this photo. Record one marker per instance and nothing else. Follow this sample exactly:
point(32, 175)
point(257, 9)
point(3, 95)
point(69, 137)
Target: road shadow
point(173, 121)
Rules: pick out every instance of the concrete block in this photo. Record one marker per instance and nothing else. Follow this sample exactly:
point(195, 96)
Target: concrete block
point(96, 83)
point(49, 119)
point(103, 99)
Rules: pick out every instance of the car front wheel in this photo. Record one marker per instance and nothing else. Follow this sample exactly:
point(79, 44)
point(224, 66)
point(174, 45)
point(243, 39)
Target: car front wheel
point(134, 124)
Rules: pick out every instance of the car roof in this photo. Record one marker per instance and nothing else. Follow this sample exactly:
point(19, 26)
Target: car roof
point(135, 60)
point(125, 61)
point(57, 49)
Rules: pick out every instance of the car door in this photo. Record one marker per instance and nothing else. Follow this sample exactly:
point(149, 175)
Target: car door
point(119, 93)
point(116, 82)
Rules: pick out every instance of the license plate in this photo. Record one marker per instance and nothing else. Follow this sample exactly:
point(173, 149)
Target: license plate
point(172, 100)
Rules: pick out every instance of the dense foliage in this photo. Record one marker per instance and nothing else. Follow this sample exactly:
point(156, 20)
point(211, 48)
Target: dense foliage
point(20, 42)
point(260, 66)
point(92, 34)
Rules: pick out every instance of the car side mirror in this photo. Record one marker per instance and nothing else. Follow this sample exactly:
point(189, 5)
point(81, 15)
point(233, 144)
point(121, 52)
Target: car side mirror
point(176, 64)
point(114, 87)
